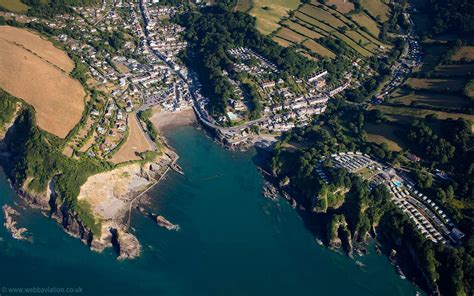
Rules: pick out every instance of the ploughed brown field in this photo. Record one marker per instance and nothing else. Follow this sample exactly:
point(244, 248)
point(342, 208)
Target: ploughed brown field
point(35, 71)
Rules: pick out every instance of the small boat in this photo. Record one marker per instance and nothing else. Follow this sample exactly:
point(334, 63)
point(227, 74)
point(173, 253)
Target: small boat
point(360, 264)
point(319, 242)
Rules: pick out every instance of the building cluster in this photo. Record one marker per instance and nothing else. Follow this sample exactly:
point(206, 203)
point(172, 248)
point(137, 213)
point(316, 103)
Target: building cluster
point(409, 59)
point(427, 216)
point(145, 71)
point(130, 78)
point(110, 131)
point(285, 104)
point(164, 37)
point(252, 63)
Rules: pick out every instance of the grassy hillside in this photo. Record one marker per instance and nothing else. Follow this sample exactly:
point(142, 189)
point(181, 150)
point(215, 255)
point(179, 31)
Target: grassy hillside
point(268, 12)
point(306, 25)
point(311, 24)
point(441, 86)
point(14, 6)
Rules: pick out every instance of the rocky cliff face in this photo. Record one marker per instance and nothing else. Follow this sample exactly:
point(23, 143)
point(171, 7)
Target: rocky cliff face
point(339, 234)
point(127, 244)
point(408, 254)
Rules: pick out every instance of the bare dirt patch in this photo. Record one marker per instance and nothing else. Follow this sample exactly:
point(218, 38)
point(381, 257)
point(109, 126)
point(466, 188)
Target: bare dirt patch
point(110, 193)
point(57, 98)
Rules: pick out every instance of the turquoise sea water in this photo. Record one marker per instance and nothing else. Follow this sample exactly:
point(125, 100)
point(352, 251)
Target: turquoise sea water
point(233, 241)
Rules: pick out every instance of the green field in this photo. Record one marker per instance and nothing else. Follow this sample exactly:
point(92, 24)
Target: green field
point(14, 5)
point(349, 22)
point(431, 56)
point(455, 70)
point(290, 35)
point(437, 84)
point(432, 99)
point(324, 20)
point(407, 115)
point(313, 22)
point(268, 12)
point(364, 20)
point(343, 6)
point(243, 5)
point(319, 49)
point(377, 9)
point(322, 16)
point(438, 87)
point(282, 42)
point(384, 133)
point(302, 30)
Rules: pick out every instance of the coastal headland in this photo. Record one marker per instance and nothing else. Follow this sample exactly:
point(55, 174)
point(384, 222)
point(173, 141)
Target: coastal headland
point(360, 115)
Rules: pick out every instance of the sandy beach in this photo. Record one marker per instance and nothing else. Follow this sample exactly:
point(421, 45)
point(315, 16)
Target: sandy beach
point(166, 121)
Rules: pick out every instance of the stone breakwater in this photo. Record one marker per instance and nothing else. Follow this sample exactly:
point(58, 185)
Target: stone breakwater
point(110, 196)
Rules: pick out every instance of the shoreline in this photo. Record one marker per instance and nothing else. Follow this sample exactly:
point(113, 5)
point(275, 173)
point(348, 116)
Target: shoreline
point(166, 121)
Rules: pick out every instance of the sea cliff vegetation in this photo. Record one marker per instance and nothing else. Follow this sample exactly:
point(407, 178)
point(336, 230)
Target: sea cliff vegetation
point(36, 158)
point(8, 106)
point(352, 212)
point(213, 31)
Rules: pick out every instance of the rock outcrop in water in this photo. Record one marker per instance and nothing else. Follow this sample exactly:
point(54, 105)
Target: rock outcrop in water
point(163, 222)
point(114, 231)
point(72, 224)
point(10, 223)
point(105, 200)
point(125, 244)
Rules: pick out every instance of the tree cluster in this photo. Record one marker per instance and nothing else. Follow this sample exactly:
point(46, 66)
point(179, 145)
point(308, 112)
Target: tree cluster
point(213, 31)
